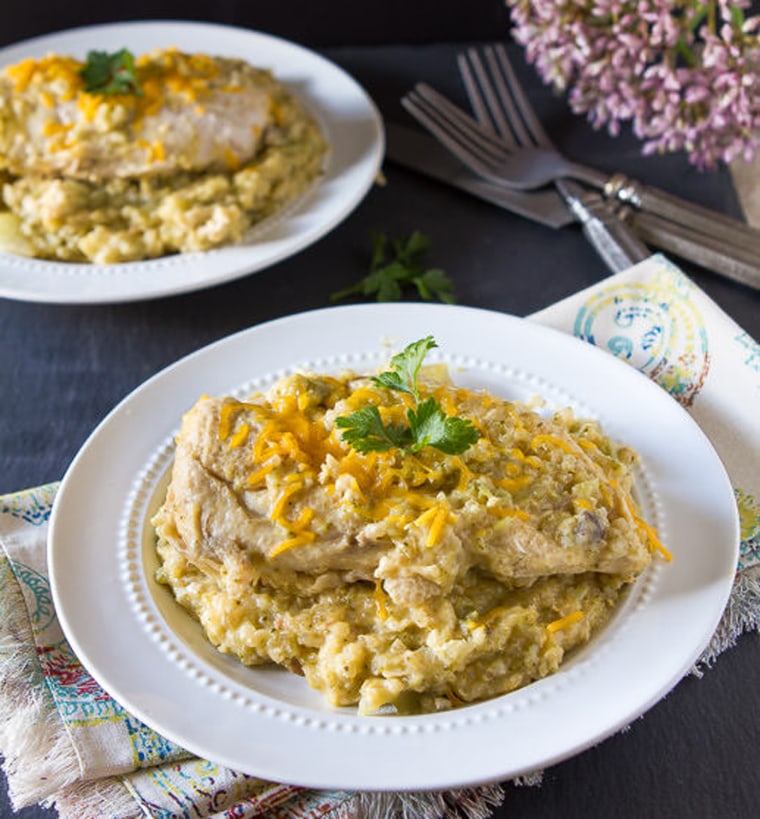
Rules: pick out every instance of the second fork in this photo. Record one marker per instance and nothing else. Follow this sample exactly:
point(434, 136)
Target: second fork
point(502, 106)
point(530, 167)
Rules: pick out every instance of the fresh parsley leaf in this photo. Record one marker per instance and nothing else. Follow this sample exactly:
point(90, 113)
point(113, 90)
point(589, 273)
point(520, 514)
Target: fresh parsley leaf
point(405, 367)
point(391, 381)
point(391, 272)
point(434, 283)
point(105, 73)
point(431, 426)
point(366, 432)
point(411, 250)
point(379, 244)
point(428, 423)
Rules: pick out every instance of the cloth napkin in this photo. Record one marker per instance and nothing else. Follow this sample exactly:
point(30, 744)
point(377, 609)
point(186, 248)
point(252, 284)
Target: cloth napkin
point(67, 743)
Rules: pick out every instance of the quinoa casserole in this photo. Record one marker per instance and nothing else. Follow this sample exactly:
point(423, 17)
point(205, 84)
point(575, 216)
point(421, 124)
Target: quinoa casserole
point(186, 157)
point(405, 580)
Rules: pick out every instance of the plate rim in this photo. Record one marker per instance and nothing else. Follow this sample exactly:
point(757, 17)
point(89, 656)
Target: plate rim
point(235, 261)
point(418, 736)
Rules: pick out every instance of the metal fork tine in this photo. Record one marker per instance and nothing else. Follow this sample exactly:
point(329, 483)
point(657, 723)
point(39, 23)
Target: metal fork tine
point(497, 97)
point(449, 136)
point(504, 92)
point(477, 103)
point(488, 108)
point(528, 115)
point(456, 120)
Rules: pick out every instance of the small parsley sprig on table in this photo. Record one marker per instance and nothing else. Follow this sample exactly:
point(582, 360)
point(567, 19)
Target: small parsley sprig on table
point(428, 424)
point(105, 73)
point(390, 274)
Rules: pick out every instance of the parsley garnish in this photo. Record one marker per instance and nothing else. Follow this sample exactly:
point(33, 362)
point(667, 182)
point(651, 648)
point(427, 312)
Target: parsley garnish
point(389, 276)
point(429, 425)
point(105, 73)
point(366, 432)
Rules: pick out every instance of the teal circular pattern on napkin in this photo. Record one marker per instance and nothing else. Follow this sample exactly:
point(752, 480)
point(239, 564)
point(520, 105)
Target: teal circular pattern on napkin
point(655, 327)
point(43, 612)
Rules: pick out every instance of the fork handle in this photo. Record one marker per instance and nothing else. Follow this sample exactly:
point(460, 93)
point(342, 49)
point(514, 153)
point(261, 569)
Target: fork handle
point(731, 261)
point(613, 239)
point(688, 214)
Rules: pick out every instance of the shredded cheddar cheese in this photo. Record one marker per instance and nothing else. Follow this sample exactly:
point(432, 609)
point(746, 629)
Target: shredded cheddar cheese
point(649, 531)
point(565, 622)
point(515, 484)
point(279, 507)
point(553, 441)
point(380, 599)
point(583, 503)
point(297, 540)
point(260, 474)
point(240, 436)
point(479, 622)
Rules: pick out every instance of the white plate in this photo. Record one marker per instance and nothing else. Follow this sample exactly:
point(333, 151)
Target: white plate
point(351, 123)
point(150, 655)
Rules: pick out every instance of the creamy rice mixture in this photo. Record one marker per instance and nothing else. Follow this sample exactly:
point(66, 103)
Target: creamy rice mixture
point(393, 581)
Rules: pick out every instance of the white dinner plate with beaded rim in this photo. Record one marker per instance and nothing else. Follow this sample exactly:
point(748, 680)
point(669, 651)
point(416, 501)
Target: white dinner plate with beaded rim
point(349, 118)
point(150, 655)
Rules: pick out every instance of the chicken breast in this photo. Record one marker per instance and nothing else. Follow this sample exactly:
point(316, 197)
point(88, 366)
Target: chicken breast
point(226, 501)
point(193, 112)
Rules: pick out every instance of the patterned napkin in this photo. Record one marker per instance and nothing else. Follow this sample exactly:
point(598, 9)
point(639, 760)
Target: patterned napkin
point(67, 742)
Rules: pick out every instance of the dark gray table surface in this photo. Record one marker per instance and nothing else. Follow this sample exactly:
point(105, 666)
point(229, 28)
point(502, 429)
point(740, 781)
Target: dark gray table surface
point(62, 368)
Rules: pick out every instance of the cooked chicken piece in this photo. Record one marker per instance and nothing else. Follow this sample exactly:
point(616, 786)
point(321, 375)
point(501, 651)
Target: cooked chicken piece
point(193, 112)
point(224, 506)
point(218, 520)
point(523, 552)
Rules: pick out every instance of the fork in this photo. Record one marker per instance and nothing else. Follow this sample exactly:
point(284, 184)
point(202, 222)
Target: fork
point(728, 255)
point(533, 166)
point(500, 103)
point(512, 118)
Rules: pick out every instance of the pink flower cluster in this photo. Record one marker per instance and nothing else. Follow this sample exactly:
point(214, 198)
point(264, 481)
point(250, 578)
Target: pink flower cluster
point(685, 74)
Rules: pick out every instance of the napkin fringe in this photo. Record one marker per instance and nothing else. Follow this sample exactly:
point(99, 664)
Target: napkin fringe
point(464, 803)
point(741, 614)
point(39, 757)
point(97, 799)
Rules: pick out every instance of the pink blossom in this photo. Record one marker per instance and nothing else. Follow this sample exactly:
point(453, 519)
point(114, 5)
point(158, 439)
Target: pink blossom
point(683, 74)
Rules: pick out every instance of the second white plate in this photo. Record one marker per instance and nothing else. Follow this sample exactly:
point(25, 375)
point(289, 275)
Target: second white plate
point(351, 123)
